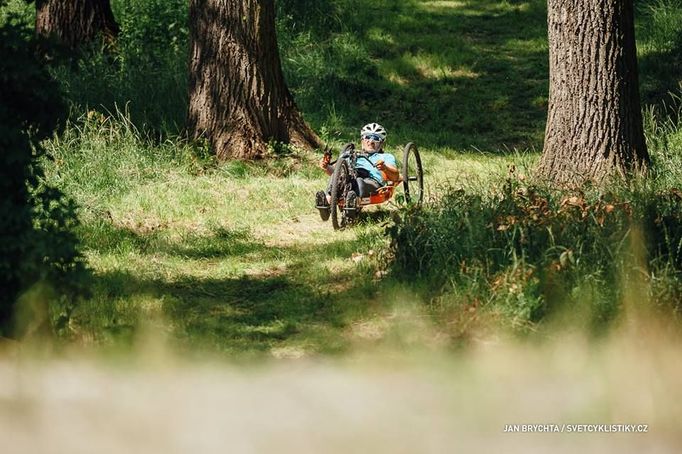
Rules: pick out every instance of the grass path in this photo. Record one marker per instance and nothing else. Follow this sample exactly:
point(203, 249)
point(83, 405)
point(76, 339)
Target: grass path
point(244, 265)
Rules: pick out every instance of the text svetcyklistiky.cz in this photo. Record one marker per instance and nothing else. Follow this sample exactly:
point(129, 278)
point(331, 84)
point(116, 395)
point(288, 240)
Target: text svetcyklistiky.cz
point(576, 428)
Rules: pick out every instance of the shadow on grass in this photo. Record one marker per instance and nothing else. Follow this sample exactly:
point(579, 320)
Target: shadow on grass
point(375, 216)
point(660, 69)
point(254, 311)
point(488, 89)
point(106, 237)
point(661, 77)
point(458, 74)
point(466, 75)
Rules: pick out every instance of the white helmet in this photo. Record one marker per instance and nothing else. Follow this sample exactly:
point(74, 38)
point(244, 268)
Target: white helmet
point(373, 128)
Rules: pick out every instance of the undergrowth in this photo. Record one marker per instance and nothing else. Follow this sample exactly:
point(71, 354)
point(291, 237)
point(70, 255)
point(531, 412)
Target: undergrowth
point(528, 250)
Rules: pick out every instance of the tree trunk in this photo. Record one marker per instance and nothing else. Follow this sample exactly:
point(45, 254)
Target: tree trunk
point(238, 99)
point(594, 124)
point(74, 22)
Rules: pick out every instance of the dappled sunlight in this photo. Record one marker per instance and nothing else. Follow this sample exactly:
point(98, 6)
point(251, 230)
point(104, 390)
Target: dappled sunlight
point(430, 67)
point(414, 67)
point(221, 287)
point(229, 252)
point(442, 4)
point(219, 313)
point(434, 73)
point(203, 254)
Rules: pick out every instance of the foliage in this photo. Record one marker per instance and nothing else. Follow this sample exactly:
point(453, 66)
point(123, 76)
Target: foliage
point(528, 249)
point(36, 221)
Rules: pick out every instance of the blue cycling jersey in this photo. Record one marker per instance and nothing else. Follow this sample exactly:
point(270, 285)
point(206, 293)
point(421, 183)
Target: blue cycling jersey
point(368, 163)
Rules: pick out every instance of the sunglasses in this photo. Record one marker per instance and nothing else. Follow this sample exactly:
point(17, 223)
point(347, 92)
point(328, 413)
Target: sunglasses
point(372, 137)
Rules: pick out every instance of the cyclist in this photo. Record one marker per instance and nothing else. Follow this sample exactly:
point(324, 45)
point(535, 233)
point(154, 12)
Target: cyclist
point(374, 167)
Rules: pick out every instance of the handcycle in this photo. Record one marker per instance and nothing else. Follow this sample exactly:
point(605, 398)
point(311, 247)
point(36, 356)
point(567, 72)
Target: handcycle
point(345, 174)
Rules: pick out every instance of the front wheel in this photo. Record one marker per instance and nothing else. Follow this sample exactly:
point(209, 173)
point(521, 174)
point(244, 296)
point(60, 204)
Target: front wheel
point(340, 187)
point(413, 175)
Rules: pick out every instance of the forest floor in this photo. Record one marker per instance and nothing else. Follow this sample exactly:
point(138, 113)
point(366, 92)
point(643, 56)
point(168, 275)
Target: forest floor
point(244, 265)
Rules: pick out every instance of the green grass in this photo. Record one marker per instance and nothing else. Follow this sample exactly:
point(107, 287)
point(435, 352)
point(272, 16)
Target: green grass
point(460, 74)
point(659, 43)
point(188, 255)
point(463, 74)
point(232, 257)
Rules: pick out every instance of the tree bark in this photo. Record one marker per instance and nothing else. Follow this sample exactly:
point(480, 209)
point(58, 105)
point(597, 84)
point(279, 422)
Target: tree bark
point(238, 98)
point(594, 124)
point(74, 22)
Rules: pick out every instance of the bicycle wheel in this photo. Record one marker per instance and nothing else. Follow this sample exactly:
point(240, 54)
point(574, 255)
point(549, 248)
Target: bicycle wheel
point(340, 186)
point(413, 175)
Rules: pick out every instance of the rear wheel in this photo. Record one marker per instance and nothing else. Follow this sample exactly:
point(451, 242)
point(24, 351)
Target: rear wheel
point(413, 175)
point(340, 187)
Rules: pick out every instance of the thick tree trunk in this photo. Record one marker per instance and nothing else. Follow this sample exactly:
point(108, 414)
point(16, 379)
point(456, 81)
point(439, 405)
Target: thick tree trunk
point(74, 22)
point(238, 99)
point(594, 124)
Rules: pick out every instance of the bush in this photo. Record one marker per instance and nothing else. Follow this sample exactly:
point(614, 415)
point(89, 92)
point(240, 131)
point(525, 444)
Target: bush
point(528, 249)
point(36, 221)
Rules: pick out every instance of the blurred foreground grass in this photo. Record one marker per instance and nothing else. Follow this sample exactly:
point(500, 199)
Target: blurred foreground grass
point(382, 400)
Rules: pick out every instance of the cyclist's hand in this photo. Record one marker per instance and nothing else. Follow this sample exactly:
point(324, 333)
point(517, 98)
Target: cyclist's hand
point(326, 159)
point(380, 165)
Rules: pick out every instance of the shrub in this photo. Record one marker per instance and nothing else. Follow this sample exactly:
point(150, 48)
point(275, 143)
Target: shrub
point(36, 239)
point(529, 249)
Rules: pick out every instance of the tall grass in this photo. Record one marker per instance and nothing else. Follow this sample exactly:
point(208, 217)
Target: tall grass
point(526, 250)
point(663, 130)
point(103, 156)
point(661, 32)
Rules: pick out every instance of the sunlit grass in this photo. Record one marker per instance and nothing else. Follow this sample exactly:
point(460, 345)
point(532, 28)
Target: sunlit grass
point(226, 253)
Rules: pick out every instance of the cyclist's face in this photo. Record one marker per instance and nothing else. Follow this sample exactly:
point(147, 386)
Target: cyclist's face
point(371, 145)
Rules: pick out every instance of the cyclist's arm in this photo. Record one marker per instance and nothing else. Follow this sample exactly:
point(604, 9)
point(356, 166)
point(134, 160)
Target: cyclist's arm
point(390, 170)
